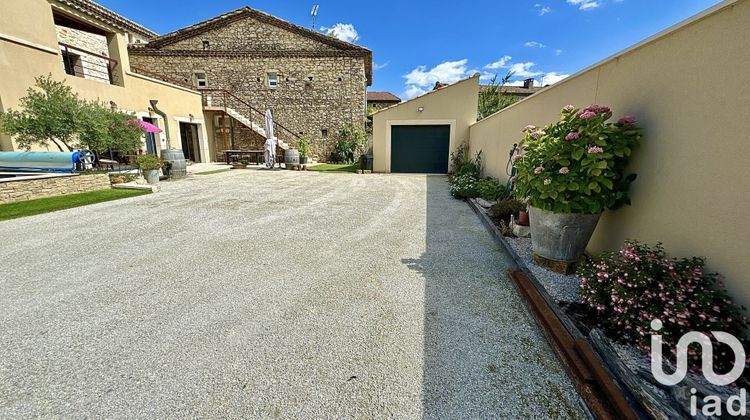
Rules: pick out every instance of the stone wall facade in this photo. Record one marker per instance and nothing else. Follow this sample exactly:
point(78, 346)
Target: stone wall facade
point(85, 65)
point(21, 190)
point(319, 87)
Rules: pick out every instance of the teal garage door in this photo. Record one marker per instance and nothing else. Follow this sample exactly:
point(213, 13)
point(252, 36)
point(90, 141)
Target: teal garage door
point(420, 148)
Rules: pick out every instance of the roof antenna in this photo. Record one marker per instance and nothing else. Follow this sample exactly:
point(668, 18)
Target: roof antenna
point(314, 14)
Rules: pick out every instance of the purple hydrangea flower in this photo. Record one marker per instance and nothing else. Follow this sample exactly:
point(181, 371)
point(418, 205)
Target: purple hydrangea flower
point(627, 121)
point(564, 170)
point(573, 135)
point(595, 150)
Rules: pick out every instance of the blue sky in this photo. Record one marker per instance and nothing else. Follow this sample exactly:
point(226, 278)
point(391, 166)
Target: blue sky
point(415, 43)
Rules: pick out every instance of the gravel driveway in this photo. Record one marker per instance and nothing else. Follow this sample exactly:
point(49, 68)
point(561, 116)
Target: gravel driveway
point(269, 294)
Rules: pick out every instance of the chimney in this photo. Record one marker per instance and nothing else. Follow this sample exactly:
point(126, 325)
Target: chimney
point(528, 83)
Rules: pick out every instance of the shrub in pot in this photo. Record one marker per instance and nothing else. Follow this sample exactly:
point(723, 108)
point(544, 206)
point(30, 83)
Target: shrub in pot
point(149, 166)
point(303, 146)
point(569, 172)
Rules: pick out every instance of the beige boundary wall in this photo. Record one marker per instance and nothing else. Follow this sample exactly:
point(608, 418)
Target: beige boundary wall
point(29, 48)
point(689, 89)
point(454, 105)
point(51, 186)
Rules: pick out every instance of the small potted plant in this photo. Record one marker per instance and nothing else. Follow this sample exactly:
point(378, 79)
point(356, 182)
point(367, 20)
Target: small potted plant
point(303, 146)
point(240, 165)
point(570, 172)
point(149, 166)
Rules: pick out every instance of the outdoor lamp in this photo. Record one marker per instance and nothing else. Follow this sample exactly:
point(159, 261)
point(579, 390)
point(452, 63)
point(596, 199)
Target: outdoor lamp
point(420, 109)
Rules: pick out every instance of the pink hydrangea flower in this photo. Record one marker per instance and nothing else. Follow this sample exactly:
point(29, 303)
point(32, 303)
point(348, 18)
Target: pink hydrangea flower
point(564, 170)
point(595, 150)
point(573, 135)
point(538, 133)
point(627, 121)
point(529, 127)
point(586, 115)
point(597, 109)
point(516, 158)
point(568, 108)
point(538, 170)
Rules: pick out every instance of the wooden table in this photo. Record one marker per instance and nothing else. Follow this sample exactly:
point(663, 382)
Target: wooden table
point(254, 156)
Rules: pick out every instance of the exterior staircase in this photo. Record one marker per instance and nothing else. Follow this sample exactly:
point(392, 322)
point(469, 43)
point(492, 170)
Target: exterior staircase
point(246, 114)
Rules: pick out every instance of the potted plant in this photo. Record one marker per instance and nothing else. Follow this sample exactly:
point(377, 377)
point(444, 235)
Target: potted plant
point(569, 172)
point(149, 166)
point(303, 146)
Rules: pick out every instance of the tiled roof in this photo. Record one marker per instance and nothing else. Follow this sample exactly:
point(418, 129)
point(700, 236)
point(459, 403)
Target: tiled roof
point(100, 12)
point(382, 97)
point(346, 48)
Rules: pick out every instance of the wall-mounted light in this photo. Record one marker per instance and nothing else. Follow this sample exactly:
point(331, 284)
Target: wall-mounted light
point(420, 109)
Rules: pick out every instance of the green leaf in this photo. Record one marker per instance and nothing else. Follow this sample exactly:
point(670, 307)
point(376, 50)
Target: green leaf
point(573, 186)
point(577, 154)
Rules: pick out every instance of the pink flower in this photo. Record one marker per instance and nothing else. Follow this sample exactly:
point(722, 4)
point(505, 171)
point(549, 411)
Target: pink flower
point(568, 108)
point(573, 135)
point(595, 150)
point(529, 128)
point(538, 133)
point(516, 158)
point(627, 121)
point(597, 109)
point(564, 170)
point(513, 179)
point(586, 115)
point(538, 170)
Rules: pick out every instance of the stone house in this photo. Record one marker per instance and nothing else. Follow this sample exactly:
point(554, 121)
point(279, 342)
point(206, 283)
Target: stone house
point(246, 61)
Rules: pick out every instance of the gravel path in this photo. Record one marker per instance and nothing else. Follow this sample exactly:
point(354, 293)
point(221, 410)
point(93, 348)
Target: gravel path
point(561, 287)
point(269, 294)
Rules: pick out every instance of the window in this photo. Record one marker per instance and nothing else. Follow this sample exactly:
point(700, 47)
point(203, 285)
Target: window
point(72, 63)
point(206, 44)
point(324, 133)
point(200, 79)
point(273, 80)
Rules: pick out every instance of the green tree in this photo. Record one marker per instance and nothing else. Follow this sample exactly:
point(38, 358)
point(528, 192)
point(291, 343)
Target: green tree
point(493, 99)
point(50, 115)
point(101, 128)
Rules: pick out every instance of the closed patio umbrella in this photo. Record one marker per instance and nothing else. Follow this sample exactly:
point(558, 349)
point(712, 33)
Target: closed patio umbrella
point(270, 147)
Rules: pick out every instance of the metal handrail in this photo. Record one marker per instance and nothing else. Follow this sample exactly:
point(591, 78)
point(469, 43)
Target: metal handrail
point(89, 65)
point(223, 103)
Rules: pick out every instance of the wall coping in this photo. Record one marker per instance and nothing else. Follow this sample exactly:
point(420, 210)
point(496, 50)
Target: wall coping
point(31, 177)
point(151, 79)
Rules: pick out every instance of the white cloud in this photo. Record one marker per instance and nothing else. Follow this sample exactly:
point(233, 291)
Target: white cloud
point(534, 44)
point(421, 80)
point(446, 72)
point(551, 78)
point(499, 64)
point(376, 66)
point(558, 52)
point(585, 4)
point(342, 31)
point(543, 10)
point(413, 91)
point(523, 69)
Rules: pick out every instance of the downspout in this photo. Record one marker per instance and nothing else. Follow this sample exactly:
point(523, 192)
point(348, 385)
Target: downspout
point(166, 122)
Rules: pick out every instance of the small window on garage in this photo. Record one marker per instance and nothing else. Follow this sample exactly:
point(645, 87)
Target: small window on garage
point(273, 80)
point(200, 79)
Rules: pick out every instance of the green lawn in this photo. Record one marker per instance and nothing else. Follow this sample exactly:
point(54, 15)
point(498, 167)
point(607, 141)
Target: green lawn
point(49, 204)
point(328, 167)
point(217, 171)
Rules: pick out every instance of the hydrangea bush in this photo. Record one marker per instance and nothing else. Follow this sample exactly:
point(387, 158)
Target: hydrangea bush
point(630, 288)
point(577, 165)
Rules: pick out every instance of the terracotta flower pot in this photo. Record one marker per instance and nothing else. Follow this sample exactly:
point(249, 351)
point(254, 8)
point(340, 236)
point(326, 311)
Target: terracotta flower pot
point(523, 218)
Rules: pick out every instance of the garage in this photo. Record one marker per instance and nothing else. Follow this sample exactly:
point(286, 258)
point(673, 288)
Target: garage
point(420, 148)
point(418, 135)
